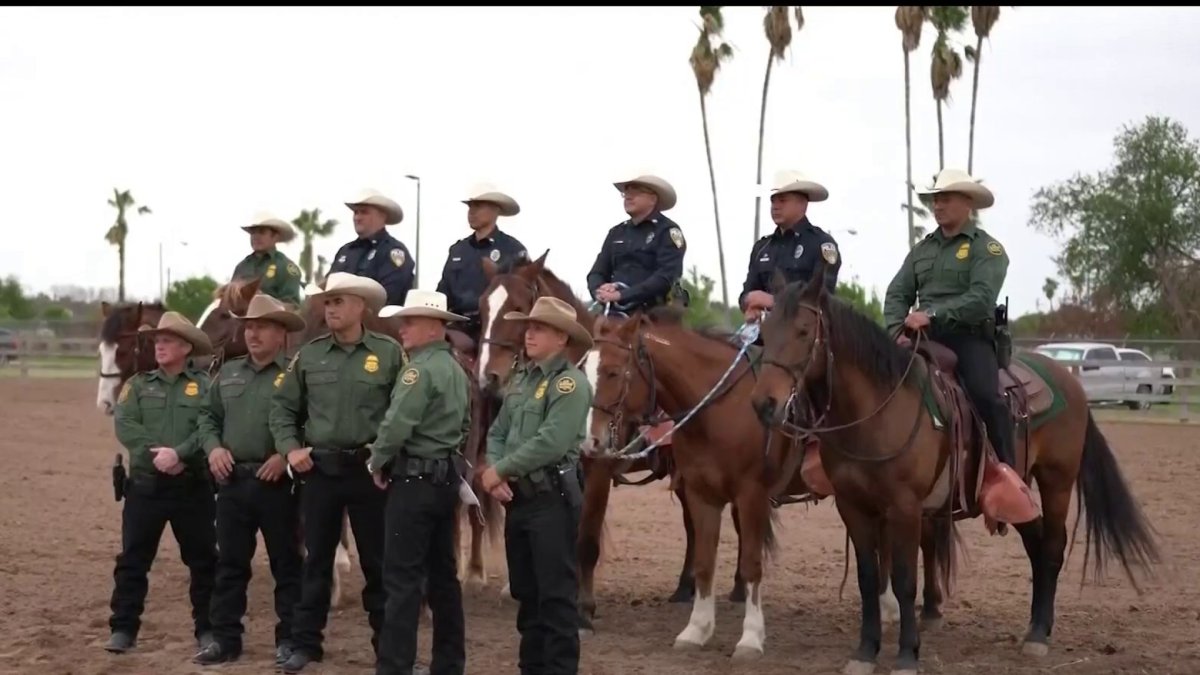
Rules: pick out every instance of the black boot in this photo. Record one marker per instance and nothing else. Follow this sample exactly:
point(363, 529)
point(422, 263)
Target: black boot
point(120, 642)
point(214, 653)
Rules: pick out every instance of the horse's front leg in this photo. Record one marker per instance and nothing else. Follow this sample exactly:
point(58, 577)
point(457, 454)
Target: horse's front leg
point(752, 513)
point(864, 532)
point(904, 530)
point(596, 486)
point(685, 590)
point(706, 518)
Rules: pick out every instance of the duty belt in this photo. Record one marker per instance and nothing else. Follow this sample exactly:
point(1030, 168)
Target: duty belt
point(436, 470)
point(543, 481)
point(336, 461)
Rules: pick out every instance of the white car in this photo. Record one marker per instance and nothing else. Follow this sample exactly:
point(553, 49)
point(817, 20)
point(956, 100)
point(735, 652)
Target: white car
point(1119, 371)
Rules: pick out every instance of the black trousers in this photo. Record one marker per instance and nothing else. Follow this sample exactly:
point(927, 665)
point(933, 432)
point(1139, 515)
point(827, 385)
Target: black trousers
point(185, 503)
point(245, 506)
point(419, 546)
point(980, 373)
point(322, 499)
point(539, 538)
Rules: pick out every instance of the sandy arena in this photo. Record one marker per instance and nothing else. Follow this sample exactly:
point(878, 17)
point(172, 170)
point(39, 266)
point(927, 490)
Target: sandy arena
point(61, 530)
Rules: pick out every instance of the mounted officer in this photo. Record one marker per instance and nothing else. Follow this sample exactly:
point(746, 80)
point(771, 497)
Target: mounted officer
point(280, 276)
point(376, 254)
point(793, 248)
point(463, 280)
point(640, 264)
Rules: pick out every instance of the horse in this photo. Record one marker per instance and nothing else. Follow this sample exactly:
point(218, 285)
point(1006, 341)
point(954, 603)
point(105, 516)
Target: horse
point(897, 432)
point(123, 350)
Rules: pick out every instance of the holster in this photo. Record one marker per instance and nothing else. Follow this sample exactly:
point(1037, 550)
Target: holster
point(563, 479)
point(118, 478)
point(1004, 347)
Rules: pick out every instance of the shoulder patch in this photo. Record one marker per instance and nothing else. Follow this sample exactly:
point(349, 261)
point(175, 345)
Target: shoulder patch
point(995, 248)
point(293, 270)
point(676, 238)
point(565, 385)
point(397, 256)
point(829, 252)
point(124, 391)
point(410, 376)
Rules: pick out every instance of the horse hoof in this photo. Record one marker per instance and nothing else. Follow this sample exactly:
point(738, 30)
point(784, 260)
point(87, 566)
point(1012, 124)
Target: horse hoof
point(1038, 649)
point(741, 653)
point(687, 646)
point(932, 622)
point(858, 668)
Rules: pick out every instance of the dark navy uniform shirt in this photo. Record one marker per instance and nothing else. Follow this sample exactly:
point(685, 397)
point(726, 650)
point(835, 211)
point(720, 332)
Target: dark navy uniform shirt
point(382, 258)
point(794, 252)
point(463, 280)
point(648, 257)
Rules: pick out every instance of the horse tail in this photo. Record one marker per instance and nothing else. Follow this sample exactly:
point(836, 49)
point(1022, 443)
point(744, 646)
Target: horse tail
point(947, 546)
point(1116, 525)
point(493, 519)
point(770, 541)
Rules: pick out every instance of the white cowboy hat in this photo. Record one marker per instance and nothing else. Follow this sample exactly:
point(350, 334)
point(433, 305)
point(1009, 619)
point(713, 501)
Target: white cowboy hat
point(269, 220)
point(796, 181)
point(660, 187)
point(556, 314)
point(486, 192)
point(957, 180)
point(429, 304)
point(369, 197)
point(266, 308)
point(344, 283)
point(177, 324)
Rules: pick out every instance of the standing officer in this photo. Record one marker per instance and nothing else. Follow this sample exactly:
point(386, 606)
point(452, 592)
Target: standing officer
point(463, 280)
point(641, 262)
point(333, 397)
point(412, 459)
point(793, 248)
point(280, 276)
point(156, 420)
point(376, 254)
point(533, 449)
point(253, 495)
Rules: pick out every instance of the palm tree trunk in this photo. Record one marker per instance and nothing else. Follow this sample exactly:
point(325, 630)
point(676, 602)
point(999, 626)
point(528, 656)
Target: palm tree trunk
point(908, 182)
point(941, 140)
point(762, 128)
point(712, 177)
point(306, 258)
point(121, 271)
point(974, 98)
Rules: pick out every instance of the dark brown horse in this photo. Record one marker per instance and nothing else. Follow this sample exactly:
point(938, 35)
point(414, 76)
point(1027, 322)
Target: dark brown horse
point(892, 423)
point(123, 350)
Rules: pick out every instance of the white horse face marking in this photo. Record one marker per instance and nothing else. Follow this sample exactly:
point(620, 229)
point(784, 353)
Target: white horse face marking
point(106, 391)
point(212, 307)
point(495, 302)
point(591, 368)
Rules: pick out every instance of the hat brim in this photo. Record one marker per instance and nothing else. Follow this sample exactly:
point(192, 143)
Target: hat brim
point(288, 320)
point(815, 192)
point(375, 298)
point(201, 345)
point(393, 214)
point(573, 329)
point(286, 234)
point(980, 196)
point(507, 205)
point(397, 312)
point(666, 193)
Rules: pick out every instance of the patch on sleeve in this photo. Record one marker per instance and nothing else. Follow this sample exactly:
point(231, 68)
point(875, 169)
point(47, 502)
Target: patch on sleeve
point(829, 252)
point(677, 237)
point(293, 270)
point(995, 248)
point(410, 376)
point(124, 392)
point(397, 256)
point(565, 385)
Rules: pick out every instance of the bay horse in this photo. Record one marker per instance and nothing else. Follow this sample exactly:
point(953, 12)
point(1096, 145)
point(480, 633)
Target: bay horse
point(896, 435)
point(123, 350)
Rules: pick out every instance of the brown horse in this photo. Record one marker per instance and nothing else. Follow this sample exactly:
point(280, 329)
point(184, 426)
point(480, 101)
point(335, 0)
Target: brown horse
point(123, 350)
point(892, 426)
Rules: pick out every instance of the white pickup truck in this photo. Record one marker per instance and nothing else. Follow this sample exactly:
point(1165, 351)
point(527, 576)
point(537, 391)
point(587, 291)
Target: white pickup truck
point(1131, 371)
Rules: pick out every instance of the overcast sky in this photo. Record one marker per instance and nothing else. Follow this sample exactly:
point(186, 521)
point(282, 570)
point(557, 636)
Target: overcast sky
point(209, 115)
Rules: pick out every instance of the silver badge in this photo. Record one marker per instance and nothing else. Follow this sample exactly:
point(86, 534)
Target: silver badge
point(494, 255)
point(799, 251)
point(649, 237)
point(341, 259)
point(371, 255)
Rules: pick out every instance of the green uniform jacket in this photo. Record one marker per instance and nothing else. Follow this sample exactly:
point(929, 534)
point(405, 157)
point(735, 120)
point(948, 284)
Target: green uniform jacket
point(155, 409)
point(541, 420)
point(280, 276)
point(430, 413)
point(237, 408)
point(957, 280)
point(334, 396)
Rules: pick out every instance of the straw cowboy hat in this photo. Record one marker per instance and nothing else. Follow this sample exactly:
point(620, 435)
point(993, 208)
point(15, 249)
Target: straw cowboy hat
point(177, 324)
point(266, 308)
point(391, 209)
point(428, 304)
point(660, 187)
point(486, 192)
point(796, 181)
point(268, 220)
point(344, 283)
point(556, 314)
point(957, 180)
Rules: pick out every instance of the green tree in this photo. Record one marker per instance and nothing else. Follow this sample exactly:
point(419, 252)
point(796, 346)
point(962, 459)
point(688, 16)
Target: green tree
point(119, 232)
point(56, 313)
point(910, 20)
point(14, 304)
point(190, 297)
point(1131, 232)
point(702, 310)
point(710, 52)
point(855, 294)
point(310, 226)
point(946, 65)
point(777, 25)
point(983, 18)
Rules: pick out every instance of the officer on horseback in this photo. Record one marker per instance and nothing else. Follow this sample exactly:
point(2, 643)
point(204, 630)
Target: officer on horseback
point(953, 276)
point(375, 254)
point(463, 280)
point(641, 262)
point(280, 276)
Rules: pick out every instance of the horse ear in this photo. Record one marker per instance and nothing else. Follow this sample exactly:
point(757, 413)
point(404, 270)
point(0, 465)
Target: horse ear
point(489, 268)
point(817, 283)
point(250, 289)
point(778, 282)
point(105, 308)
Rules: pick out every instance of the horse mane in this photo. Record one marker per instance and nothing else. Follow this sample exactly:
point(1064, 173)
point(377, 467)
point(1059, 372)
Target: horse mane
point(673, 315)
point(229, 294)
point(111, 329)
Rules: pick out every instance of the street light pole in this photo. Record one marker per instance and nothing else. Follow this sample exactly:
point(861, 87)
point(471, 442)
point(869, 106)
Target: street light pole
point(417, 243)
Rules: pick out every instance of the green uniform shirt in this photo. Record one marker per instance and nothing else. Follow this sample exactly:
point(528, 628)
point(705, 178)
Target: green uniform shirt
point(280, 276)
point(334, 396)
point(155, 409)
point(957, 279)
point(237, 408)
point(541, 420)
point(430, 413)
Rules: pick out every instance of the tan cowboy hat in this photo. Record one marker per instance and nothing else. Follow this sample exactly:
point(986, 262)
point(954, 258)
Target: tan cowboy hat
point(556, 314)
point(957, 180)
point(370, 197)
point(266, 308)
point(796, 181)
point(486, 192)
point(177, 324)
point(660, 187)
point(344, 283)
point(429, 304)
point(268, 220)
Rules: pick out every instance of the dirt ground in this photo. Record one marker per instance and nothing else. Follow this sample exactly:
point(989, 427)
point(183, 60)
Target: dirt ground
point(60, 531)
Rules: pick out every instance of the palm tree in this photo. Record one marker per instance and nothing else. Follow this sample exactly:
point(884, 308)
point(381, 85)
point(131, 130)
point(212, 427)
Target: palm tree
point(706, 59)
point(1049, 289)
point(309, 224)
point(946, 65)
point(116, 235)
point(983, 17)
point(778, 27)
point(910, 20)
